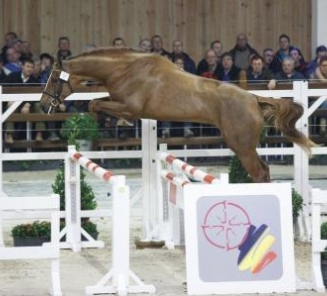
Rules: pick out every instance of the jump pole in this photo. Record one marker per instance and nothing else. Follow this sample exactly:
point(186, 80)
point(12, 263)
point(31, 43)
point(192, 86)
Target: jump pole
point(176, 174)
point(120, 273)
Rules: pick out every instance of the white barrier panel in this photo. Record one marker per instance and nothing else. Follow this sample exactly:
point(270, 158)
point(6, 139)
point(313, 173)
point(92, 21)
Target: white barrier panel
point(319, 199)
point(239, 239)
point(15, 208)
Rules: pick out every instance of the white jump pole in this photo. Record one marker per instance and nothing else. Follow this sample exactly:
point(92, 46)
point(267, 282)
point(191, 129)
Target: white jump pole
point(73, 229)
point(120, 273)
point(152, 208)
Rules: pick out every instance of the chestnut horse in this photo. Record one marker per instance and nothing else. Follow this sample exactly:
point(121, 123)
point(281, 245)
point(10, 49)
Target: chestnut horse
point(143, 85)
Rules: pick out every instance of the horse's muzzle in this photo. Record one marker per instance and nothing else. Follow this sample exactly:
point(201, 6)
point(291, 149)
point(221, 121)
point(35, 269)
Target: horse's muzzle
point(51, 106)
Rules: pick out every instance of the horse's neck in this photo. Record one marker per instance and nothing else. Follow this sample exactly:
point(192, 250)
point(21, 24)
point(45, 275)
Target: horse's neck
point(93, 67)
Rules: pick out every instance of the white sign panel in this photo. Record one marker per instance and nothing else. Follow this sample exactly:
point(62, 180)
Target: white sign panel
point(239, 239)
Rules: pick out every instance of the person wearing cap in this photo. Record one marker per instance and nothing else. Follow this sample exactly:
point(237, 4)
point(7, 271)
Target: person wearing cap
point(321, 51)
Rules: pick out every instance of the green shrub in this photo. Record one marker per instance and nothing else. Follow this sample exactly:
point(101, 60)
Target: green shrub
point(80, 127)
point(89, 227)
point(323, 235)
point(35, 229)
point(88, 200)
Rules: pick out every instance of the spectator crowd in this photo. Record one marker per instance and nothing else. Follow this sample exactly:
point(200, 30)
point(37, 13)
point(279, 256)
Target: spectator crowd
point(241, 64)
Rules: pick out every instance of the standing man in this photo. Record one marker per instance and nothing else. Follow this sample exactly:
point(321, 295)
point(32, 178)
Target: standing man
point(63, 49)
point(241, 52)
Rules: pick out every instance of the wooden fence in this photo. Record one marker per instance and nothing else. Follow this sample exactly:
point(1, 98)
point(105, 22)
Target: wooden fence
point(196, 22)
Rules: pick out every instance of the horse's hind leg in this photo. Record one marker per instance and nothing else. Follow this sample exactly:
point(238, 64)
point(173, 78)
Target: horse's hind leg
point(257, 169)
point(243, 142)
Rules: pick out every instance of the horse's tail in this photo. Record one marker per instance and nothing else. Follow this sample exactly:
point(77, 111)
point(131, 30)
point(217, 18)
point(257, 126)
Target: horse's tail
point(283, 114)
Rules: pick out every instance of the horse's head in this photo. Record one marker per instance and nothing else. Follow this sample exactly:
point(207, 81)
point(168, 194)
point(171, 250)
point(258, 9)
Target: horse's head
point(52, 94)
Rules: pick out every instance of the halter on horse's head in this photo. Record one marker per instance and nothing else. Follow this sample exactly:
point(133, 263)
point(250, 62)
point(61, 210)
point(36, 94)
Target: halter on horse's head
point(52, 93)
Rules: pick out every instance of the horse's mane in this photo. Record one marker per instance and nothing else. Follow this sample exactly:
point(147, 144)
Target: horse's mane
point(104, 51)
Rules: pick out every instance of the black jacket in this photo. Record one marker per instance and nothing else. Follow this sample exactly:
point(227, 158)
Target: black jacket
point(16, 78)
point(234, 74)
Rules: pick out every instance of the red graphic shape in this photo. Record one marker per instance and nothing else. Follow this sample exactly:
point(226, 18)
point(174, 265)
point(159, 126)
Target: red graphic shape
point(226, 225)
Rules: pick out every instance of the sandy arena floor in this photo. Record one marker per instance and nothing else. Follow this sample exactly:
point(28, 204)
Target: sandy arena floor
point(161, 267)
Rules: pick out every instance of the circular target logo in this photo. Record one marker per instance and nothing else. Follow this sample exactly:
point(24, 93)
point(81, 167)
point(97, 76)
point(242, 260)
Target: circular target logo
point(226, 225)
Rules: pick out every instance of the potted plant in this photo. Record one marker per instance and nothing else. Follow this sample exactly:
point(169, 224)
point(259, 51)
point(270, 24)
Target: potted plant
point(88, 200)
point(323, 235)
point(80, 130)
point(31, 234)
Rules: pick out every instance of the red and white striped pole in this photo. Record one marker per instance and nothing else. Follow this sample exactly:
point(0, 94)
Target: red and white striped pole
point(189, 169)
point(91, 166)
point(171, 177)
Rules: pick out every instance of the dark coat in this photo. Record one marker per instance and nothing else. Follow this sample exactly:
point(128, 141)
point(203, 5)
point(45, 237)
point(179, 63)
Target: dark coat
point(295, 76)
point(264, 76)
point(165, 53)
point(235, 49)
point(202, 67)
point(2, 76)
point(17, 79)
point(189, 65)
point(234, 74)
